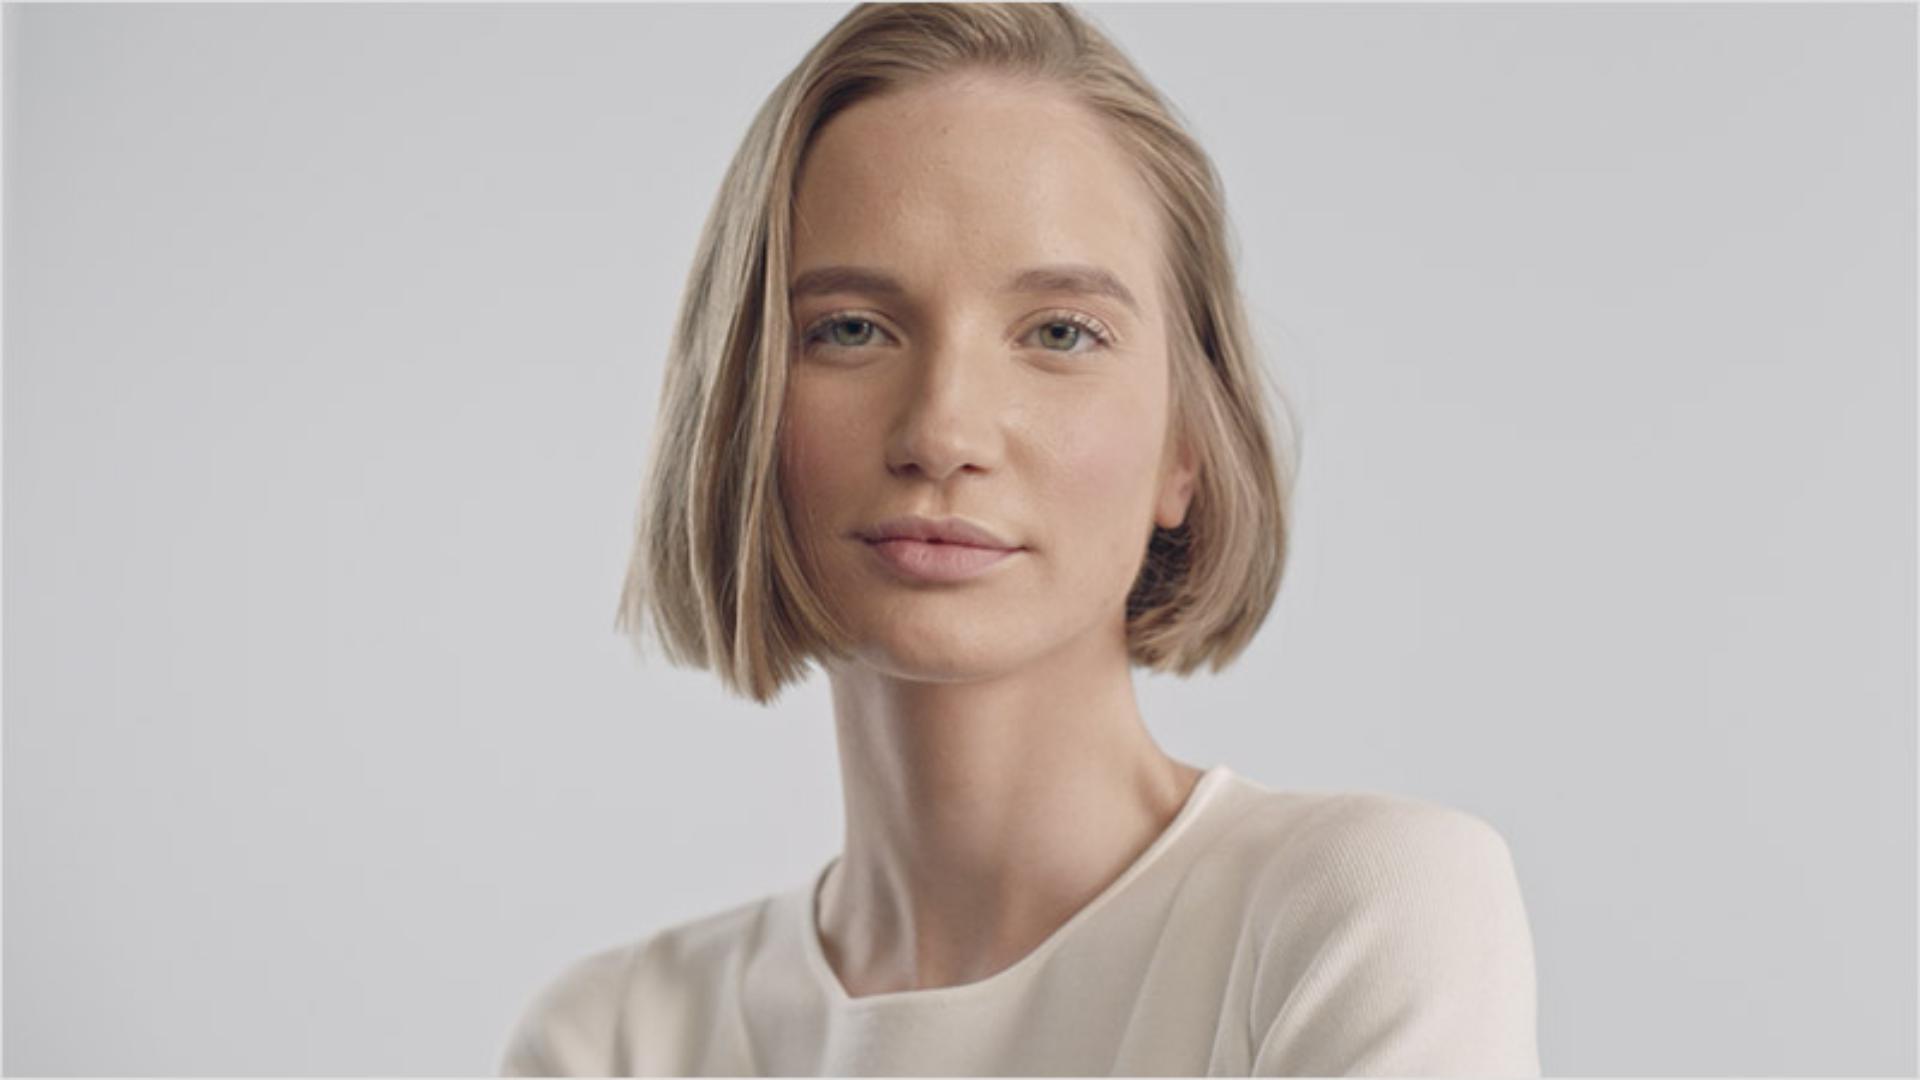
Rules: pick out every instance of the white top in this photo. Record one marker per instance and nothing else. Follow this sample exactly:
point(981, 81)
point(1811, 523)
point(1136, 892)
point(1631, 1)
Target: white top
point(1262, 933)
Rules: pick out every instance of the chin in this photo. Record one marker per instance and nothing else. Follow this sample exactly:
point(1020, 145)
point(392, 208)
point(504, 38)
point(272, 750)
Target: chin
point(937, 649)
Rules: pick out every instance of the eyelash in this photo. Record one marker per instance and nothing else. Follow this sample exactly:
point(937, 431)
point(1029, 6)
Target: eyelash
point(1088, 323)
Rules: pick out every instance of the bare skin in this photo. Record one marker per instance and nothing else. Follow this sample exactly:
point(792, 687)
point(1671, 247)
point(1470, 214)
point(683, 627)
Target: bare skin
point(997, 774)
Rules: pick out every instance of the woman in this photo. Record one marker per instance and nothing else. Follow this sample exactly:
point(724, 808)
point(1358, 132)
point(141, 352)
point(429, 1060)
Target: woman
point(962, 408)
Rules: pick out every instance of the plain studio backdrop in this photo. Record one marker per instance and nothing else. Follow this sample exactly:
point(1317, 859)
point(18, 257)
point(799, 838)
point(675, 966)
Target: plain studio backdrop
point(334, 339)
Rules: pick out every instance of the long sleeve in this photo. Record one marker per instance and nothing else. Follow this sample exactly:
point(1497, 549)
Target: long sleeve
point(1417, 960)
point(571, 1027)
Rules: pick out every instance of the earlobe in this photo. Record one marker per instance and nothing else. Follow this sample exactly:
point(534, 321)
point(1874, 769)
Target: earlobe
point(1173, 511)
point(1176, 495)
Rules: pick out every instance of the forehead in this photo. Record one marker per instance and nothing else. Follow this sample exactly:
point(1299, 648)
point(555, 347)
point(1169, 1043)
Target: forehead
point(970, 177)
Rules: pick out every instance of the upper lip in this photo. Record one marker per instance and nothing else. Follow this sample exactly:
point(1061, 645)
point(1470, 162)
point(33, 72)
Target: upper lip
point(951, 530)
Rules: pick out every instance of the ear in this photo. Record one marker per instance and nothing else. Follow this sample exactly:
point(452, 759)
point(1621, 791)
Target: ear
point(1176, 489)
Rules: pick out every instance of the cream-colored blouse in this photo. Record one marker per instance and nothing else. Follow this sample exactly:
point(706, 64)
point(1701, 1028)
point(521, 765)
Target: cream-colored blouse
point(1263, 933)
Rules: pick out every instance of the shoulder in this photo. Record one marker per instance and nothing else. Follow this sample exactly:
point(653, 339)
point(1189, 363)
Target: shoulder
point(1370, 863)
point(1339, 847)
point(702, 943)
point(581, 1021)
point(1367, 840)
point(570, 1025)
point(1399, 941)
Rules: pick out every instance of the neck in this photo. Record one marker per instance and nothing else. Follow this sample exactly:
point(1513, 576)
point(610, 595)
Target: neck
point(981, 815)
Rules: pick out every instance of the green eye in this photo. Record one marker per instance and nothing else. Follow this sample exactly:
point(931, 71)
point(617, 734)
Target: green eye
point(1081, 327)
point(1075, 331)
point(830, 327)
point(835, 326)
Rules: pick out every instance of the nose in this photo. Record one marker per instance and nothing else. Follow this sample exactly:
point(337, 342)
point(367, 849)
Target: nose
point(948, 413)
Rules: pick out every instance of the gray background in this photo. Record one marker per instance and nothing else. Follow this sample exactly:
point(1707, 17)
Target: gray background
point(333, 345)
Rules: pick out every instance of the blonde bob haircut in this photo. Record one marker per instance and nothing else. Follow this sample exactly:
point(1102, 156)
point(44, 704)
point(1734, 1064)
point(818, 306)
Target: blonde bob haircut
point(715, 561)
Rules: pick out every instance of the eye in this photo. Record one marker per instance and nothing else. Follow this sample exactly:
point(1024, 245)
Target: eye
point(1083, 326)
point(832, 324)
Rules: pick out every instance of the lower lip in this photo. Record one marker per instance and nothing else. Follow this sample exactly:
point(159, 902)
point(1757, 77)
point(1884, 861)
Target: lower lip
point(924, 561)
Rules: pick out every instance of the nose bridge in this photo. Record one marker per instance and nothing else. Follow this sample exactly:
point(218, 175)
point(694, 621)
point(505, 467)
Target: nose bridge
point(950, 408)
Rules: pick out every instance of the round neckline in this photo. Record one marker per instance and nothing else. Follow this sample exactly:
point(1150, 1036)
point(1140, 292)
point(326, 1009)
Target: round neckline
point(829, 982)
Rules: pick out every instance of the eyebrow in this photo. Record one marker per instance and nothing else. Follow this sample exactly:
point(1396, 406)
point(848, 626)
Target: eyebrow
point(1057, 278)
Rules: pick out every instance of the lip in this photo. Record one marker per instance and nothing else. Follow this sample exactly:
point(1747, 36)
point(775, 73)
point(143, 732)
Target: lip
point(952, 530)
point(937, 550)
point(935, 562)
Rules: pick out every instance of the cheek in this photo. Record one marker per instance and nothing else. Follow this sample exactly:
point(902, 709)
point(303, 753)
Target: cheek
point(794, 450)
point(814, 446)
point(1107, 471)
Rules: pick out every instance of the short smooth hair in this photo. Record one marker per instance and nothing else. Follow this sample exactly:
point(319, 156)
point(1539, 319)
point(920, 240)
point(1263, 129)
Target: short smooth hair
point(715, 561)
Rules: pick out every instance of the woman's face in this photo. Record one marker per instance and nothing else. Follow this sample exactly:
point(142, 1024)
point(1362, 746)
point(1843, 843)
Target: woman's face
point(969, 392)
